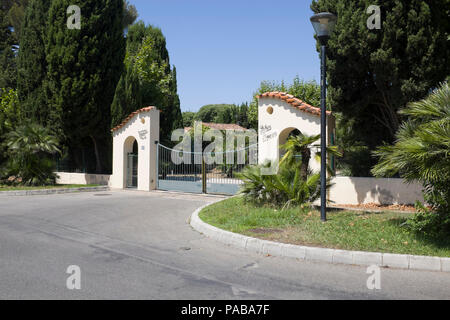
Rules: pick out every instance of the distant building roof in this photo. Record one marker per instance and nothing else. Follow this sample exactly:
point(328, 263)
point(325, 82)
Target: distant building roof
point(220, 126)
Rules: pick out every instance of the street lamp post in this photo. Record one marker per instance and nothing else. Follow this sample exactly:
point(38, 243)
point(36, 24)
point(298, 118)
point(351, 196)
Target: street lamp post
point(323, 24)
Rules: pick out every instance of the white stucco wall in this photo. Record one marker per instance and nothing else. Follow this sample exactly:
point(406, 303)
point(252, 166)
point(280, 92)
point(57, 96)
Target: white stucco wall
point(144, 127)
point(276, 126)
point(82, 178)
point(346, 190)
point(352, 190)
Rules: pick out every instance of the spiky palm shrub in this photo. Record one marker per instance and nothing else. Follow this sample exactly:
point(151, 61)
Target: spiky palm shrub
point(291, 189)
point(298, 153)
point(294, 184)
point(285, 189)
point(30, 150)
point(421, 153)
point(256, 186)
point(299, 145)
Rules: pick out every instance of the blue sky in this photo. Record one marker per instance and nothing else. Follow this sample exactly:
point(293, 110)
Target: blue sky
point(223, 49)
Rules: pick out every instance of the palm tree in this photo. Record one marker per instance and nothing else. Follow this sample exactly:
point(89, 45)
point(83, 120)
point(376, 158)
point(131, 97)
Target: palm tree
point(30, 147)
point(294, 184)
point(301, 145)
point(421, 153)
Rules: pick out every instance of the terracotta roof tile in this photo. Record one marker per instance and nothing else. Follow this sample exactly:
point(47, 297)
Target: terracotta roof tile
point(125, 121)
point(293, 101)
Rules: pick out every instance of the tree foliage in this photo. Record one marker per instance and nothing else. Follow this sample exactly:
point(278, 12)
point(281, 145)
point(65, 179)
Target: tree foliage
point(31, 147)
point(9, 117)
point(130, 14)
point(421, 153)
point(284, 189)
point(32, 65)
point(219, 113)
point(374, 73)
point(212, 112)
point(188, 119)
point(15, 12)
point(7, 57)
point(148, 79)
point(84, 67)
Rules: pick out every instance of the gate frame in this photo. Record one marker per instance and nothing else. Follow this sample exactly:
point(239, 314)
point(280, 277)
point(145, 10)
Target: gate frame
point(204, 173)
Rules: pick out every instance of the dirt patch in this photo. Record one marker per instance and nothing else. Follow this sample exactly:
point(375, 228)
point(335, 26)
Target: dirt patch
point(379, 207)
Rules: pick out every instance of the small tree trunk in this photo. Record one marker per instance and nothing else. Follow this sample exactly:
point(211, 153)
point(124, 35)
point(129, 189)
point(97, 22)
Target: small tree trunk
point(306, 156)
point(98, 163)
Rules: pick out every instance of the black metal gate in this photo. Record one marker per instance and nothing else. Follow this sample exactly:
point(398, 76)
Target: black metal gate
point(196, 175)
point(132, 170)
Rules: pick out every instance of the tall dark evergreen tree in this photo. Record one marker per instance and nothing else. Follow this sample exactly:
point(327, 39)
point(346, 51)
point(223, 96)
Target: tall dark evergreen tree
point(32, 65)
point(130, 14)
point(374, 73)
point(174, 101)
point(7, 56)
point(84, 67)
point(16, 13)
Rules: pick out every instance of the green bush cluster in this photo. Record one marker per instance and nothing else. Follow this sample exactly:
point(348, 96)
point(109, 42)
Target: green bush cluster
point(421, 153)
point(294, 184)
point(30, 149)
point(285, 189)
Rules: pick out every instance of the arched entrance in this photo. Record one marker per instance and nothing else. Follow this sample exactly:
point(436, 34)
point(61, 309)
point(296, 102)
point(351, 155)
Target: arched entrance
point(131, 151)
point(283, 138)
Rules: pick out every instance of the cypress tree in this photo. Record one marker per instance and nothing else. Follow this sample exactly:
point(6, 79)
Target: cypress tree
point(32, 65)
point(7, 59)
point(157, 86)
point(374, 73)
point(84, 67)
point(174, 102)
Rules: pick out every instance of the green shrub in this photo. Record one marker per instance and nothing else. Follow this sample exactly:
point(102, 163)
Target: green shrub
point(422, 153)
point(294, 184)
point(284, 189)
point(30, 150)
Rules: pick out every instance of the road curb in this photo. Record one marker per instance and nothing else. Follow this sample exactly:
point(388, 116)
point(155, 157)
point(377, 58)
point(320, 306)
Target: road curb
point(53, 191)
point(335, 256)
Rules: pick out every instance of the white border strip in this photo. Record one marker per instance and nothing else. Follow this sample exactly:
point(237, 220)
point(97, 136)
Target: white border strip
point(360, 258)
point(37, 192)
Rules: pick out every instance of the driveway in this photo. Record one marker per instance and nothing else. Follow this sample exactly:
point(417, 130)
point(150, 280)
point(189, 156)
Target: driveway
point(136, 245)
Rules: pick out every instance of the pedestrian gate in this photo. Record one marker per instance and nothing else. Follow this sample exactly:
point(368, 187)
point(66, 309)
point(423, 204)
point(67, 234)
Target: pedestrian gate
point(132, 170)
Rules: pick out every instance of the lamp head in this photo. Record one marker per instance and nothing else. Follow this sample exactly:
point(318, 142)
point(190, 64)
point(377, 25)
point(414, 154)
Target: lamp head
point(323, 24)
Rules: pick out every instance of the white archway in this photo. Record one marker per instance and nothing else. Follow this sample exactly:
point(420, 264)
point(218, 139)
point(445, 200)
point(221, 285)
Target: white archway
point(142, 127)
point(131, 162)
point(279, 114)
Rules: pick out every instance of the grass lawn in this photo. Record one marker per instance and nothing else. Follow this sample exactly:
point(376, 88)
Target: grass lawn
point(350, 230)
point(58, 186)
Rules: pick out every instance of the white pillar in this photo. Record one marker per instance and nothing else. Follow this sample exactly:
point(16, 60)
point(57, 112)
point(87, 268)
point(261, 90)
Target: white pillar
point(141, 126)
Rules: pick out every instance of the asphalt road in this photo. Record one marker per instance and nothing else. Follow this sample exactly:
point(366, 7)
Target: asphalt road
point(133, 245)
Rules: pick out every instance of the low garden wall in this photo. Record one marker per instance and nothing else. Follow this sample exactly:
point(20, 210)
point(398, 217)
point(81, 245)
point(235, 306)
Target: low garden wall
point(82, 178)
point(352, 190)
point(346, 190)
